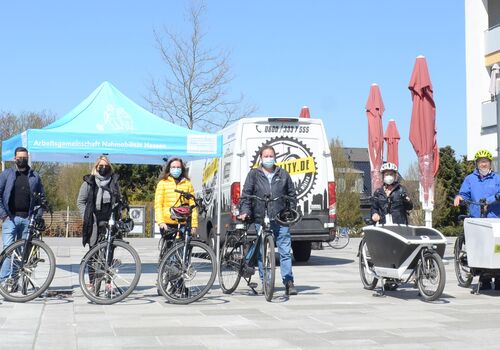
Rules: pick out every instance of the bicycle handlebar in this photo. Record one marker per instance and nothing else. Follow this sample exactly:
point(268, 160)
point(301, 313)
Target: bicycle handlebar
point(267, 198)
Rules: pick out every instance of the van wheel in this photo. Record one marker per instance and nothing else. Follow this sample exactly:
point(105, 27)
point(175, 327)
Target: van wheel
point(301, 251)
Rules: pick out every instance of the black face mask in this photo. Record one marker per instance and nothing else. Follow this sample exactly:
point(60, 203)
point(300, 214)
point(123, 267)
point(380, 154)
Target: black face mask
point(103, 170)
point(22, 163)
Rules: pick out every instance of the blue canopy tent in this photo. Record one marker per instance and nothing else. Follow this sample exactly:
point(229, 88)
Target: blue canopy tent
point(108, 122)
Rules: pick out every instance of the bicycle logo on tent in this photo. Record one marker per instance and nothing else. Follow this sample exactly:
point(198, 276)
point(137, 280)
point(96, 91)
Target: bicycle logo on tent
point(115, 118)
point(297, 159)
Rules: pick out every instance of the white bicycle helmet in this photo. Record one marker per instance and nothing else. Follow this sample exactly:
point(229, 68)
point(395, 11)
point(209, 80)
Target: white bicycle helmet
point(388, 166)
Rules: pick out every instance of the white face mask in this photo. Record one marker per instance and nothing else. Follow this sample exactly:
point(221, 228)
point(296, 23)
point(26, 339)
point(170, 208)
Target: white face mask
point(484, 172)
point(388, 179)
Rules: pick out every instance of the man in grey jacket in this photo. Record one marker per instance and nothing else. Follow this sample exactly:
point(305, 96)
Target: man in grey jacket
point(271, 180)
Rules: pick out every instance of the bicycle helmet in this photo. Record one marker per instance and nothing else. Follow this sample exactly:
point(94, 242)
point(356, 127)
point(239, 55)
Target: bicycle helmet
point(180, 213)
point(40, 224)
point(288, 217)
point(126, 225)
point(388, 166)
point(483, 153)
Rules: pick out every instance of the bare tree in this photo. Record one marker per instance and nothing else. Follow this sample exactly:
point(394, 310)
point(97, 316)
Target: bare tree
point(411, 182)
point(194, 93)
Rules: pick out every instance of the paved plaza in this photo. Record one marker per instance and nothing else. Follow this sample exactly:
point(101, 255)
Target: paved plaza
point(332, 310)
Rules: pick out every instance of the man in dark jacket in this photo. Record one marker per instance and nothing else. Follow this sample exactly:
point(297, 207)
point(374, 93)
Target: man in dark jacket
point(271, 180)
point(17, 186)
point(392, 198)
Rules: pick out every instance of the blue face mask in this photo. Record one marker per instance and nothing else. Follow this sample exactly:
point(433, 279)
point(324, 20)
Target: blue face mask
point(175, 172)
point(268, 162)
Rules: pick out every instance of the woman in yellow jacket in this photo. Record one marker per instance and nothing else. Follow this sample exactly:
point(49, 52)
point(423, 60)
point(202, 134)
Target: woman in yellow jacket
point(174, 177)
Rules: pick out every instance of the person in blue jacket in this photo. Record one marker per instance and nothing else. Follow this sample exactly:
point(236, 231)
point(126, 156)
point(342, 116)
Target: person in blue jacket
point(482, 184)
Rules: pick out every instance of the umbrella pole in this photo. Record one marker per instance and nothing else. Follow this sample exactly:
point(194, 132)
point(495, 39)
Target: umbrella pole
point(219, 209)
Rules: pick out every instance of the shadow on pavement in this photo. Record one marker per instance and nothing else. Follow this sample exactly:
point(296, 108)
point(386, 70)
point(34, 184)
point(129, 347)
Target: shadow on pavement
point(323, 260)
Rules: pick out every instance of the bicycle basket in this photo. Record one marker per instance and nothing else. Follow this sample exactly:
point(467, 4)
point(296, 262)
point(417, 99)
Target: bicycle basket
point(180, 213)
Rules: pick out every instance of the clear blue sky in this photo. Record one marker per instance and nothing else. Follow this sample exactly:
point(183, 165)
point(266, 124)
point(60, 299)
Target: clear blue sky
point(284, 54)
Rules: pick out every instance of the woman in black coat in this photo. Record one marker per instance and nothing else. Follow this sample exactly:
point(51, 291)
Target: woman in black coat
point(392, 198)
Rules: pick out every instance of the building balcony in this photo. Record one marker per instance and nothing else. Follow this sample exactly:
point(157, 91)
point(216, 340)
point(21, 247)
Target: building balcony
point(492, 45)
point(489, 117)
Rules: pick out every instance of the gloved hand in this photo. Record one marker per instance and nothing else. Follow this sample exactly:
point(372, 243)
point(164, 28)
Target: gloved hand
point(405, 197)
point(497, 197)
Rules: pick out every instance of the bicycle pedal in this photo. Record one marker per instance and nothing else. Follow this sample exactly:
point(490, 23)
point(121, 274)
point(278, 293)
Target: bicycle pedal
point(253, 285)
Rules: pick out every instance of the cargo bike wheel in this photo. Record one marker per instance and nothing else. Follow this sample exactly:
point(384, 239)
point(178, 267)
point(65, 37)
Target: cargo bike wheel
point(366, 267)
point(430, 276)
point(462, 269)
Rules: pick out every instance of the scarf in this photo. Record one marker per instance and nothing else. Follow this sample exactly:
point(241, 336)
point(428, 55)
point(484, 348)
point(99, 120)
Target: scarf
point(103, 194)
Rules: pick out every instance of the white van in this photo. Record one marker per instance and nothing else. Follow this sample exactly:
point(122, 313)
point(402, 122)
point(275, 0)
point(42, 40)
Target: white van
point(301, 148)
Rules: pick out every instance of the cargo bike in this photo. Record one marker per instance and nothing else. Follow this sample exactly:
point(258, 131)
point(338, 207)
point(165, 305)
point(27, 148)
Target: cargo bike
point(398, 254)
point(477, 250)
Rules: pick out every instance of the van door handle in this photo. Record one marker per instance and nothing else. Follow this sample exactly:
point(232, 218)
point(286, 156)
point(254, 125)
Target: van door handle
point(240, 153)
point(326, 153)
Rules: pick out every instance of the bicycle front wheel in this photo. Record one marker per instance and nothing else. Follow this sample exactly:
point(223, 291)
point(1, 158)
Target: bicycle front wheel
point(186, 275)
point(431, 276)
point(109, 276)
point(341, 239)
point(231, 264)
point(268, 265)
point(462, 270)
point(24, 282)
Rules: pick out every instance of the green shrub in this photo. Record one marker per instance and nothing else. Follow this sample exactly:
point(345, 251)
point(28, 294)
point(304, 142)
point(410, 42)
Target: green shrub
point(451, 230)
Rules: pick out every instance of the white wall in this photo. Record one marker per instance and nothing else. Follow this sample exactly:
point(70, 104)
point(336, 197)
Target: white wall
point(477, 76)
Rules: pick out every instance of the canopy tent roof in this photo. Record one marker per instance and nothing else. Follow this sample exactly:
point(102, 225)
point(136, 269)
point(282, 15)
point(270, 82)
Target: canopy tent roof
point(108, 122)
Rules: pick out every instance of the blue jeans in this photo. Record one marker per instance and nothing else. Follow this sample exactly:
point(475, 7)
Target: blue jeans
point(11, 232)
point(284, 243)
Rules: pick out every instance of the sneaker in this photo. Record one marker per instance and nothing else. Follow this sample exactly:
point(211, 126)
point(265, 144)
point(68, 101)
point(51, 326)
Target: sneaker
point(90, 287)
point(290, 288)
point(391, 286)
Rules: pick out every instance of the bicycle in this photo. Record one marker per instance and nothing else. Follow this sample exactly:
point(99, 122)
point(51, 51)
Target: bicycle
point(240, 254)
point(110, 271)
point(31, 262)
point(187, 267)
point(341, 239)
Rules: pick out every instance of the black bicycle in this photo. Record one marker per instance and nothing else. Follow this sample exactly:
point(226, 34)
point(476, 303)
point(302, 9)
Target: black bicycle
point(27, 266)
point(240, 254)
point(110, 271)
point(187, 267)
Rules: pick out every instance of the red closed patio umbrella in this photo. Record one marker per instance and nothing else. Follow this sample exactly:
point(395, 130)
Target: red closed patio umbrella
point(304, 112)
point(374, 110)
point(423, 133)
point(392, 138)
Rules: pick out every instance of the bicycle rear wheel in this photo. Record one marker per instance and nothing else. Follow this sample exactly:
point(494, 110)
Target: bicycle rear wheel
point(109, 279)
point(462, 270)
point(431, 276)
point(341, 239)
point(231, 264)
point(25, 282)
point(268, 265)
point(185, 280)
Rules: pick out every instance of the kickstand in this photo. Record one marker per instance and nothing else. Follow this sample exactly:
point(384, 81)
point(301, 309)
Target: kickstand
point(252, 285)
point(381, 291)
